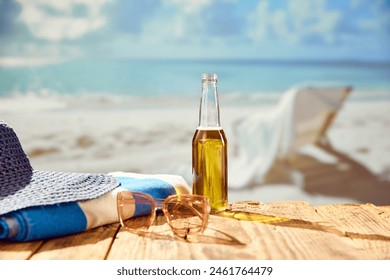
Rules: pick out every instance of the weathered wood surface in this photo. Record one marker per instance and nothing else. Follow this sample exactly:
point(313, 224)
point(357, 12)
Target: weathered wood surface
point(250, 230)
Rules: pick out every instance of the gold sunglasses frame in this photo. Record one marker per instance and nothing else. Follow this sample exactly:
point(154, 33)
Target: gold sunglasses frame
point(128, 198)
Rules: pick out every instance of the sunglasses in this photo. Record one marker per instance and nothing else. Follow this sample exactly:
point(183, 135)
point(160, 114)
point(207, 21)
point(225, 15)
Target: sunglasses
point(186, 214)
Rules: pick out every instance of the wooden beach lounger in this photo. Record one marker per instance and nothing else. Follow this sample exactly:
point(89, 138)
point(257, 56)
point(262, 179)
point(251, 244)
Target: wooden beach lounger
point(302, 117)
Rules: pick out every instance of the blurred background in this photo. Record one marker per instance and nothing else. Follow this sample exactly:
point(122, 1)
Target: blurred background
point(160, 47)
point(81, 59)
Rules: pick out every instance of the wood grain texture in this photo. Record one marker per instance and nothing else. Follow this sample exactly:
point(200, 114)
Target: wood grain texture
point(93, 245)
point(247, 230)
point(18, 251)
point(367, 225)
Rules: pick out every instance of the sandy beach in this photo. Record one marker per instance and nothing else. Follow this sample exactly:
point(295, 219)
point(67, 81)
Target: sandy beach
point(105, 134)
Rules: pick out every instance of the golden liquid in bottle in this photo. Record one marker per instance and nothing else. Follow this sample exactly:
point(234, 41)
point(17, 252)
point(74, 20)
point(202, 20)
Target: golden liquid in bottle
point(209, 167)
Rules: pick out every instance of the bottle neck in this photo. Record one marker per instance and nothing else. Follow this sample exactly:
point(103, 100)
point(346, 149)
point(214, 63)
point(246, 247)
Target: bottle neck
point(209, 106)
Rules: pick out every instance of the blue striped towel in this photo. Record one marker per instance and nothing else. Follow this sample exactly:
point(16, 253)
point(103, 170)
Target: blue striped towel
point(43, 222)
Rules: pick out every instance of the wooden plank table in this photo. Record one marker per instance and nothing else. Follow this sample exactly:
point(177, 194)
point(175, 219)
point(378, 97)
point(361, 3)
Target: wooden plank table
point(248, 230)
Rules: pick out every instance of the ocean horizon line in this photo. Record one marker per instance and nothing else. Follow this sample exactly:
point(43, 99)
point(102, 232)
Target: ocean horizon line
point(182, 77)
point(298, 61)
point(40, 62)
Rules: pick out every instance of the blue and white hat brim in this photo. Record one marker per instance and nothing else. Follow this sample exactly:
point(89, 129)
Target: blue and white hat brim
point(21, 186)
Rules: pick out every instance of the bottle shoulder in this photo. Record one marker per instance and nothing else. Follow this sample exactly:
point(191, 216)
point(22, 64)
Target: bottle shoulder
point(209, 133)
point(209, 128)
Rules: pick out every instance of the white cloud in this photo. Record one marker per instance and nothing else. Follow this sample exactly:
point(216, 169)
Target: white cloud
point(188, 6)
point(183, 23)
point(299, 20)
point(356, 3)
point(55, 21)
point(186, 17)
point(379, 22)
point(261, 21)
point(280, 24)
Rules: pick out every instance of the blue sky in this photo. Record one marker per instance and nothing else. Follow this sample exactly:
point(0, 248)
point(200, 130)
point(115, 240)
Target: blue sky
point(44, 31)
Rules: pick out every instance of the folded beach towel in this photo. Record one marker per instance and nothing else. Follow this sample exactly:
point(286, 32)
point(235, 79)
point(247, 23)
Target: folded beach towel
point(48, 221)
point(300, 118)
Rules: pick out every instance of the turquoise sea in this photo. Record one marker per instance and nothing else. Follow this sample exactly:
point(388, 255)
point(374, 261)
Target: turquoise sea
point(182, 78)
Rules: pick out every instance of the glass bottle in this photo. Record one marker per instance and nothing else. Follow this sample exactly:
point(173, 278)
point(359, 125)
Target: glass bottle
point(209, 149)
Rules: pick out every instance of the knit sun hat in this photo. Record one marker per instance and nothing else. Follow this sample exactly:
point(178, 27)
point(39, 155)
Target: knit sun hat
point(21, 186)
